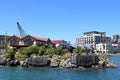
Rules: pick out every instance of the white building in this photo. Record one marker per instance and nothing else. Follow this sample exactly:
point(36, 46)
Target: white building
point(103, 48)
point(62, 43)
point(92, 38)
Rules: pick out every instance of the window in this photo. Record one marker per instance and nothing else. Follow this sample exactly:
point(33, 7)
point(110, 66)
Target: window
point(14, 41)
point(28, 41)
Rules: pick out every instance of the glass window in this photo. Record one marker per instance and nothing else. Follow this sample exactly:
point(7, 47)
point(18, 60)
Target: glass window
point(14, 41)
point(28, 41)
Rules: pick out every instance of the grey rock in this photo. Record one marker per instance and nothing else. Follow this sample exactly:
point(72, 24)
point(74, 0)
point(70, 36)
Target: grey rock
point(23, 64)
point(2, 60)
point(111, 65)
point(54, 64)
point(38, 61)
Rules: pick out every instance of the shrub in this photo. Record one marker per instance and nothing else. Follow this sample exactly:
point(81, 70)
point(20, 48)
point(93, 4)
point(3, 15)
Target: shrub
point(11, 53)
point(58, 50)
point(64, 57)
point(42, 50)
point(28, 51)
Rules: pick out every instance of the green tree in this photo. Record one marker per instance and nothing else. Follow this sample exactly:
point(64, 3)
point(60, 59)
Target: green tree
point(28, 51)
point(58, 50)
point(11, 53)
point(79, 50)
point(42, 50)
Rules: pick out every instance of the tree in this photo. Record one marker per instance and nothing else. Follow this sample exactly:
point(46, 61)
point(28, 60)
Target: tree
point(58, 50)
point(11, 53)
point(42, 50)
point(28, 51)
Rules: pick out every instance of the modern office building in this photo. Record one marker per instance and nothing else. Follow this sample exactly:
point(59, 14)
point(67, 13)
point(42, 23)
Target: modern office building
point(92, 38)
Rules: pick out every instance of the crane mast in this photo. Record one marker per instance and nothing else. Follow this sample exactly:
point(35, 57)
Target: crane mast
point(21, 30)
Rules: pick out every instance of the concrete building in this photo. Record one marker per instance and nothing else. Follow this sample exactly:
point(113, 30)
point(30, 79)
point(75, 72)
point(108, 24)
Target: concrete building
point(116, 38)
point(115, 48)
point(103, 48)
point(92, 38)
point(115, 44)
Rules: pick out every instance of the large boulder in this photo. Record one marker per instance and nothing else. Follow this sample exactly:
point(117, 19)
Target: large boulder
point(24, 63)
point(67, 64)
point(54, 64)
point(13, 63)
point(2, 60)
point(111, 65)
point(55, 61)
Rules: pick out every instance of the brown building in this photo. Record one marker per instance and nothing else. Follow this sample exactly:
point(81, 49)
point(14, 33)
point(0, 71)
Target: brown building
point(17, 41)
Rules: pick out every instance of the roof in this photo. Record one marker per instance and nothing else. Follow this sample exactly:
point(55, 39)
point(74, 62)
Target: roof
point(57, 41)
point(33, 37)
point(95, 32)
point(18, 37)
point(37, 38)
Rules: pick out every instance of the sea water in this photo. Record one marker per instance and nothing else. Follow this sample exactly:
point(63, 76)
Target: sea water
point(18, 73)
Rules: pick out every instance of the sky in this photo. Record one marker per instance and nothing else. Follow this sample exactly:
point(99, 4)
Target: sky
point(60, 19)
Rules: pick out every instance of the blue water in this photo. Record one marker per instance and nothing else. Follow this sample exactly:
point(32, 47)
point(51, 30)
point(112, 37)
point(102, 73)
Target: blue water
point(17, 73)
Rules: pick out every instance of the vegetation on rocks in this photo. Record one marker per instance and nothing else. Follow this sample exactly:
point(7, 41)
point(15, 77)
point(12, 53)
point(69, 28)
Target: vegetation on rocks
point(51, 56)
point(25, 52)
point(11, 53)
point(80, 50)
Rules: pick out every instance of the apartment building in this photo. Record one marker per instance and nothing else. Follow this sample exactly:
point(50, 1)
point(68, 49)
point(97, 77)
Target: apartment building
point(92, 38)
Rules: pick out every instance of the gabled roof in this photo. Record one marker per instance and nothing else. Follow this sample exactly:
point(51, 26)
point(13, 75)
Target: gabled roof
point(57, 41)
point(14, 36)
point(37, 38)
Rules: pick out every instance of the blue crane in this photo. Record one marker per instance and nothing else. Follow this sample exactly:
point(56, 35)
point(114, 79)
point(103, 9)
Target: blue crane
point(21, 30)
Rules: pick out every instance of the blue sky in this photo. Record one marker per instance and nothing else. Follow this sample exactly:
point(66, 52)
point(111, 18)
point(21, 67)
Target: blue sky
point(60, 19)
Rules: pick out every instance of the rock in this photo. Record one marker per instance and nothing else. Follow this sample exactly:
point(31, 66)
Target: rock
point(111, 65)
point(100, 63)
point(81, 68)
point(56, 56)
point(16, 62)
point(23, 64)
point(96, 67)
point(62, 63)
point(38, 61)
point(55, 61)
point(73, 66)
point(2, 60)
point(67, 64)
point(10, 63)
point(13, 63)
point(54, 64)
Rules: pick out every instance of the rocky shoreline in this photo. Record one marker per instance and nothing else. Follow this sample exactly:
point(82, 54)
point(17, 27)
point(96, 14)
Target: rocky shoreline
point(67, 60)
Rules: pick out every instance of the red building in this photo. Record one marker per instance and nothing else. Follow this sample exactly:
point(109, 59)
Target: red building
point(17, 41)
